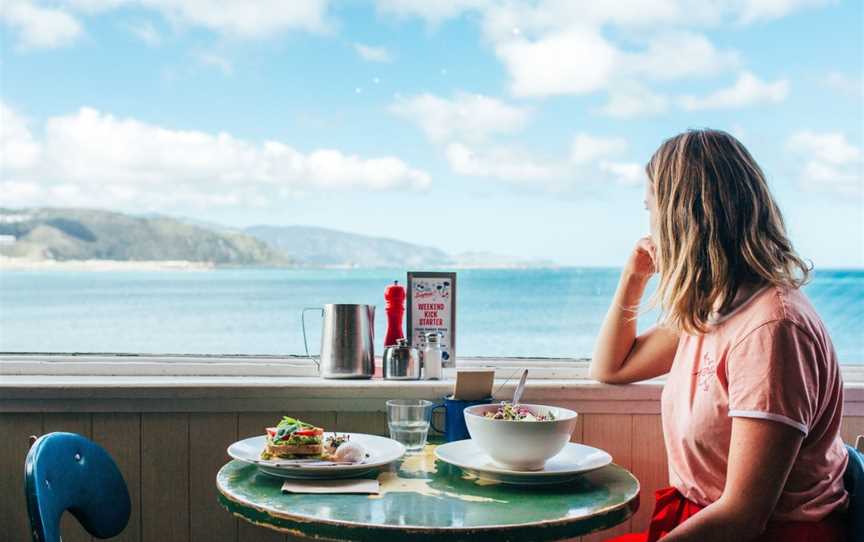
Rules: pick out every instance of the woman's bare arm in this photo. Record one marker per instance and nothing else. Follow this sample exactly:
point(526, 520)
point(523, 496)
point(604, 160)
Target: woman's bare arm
point(620, 357)
point(761, 454)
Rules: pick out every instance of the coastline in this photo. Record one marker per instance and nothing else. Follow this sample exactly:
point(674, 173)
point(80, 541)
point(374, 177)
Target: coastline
point(26, 264)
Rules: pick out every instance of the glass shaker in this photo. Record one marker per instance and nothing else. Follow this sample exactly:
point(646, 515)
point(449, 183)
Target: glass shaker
point(432, 358)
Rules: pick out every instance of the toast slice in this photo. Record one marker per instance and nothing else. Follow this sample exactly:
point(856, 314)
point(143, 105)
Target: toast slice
point(293, 451)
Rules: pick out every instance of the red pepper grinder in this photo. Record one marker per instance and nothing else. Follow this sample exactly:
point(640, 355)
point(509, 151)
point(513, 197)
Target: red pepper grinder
point(394, 304)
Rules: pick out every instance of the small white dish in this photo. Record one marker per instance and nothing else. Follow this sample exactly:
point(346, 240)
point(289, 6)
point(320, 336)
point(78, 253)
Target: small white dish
point(381, 451)
point(520, 445)
point(573, 460)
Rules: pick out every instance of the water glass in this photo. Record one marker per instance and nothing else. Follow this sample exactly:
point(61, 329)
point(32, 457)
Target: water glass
point(408, 420)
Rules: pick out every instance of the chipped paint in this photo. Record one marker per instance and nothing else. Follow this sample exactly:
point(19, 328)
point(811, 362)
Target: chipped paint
point(393, 483)
point(477, 480)
point(423, 462)
point(428, 501)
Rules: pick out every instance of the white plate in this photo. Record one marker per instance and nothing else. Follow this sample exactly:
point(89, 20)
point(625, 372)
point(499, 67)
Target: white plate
point(573, 460)
point(381, 451)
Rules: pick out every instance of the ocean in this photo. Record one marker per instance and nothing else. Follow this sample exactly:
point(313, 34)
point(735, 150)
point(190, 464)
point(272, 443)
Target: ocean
point(534, 312)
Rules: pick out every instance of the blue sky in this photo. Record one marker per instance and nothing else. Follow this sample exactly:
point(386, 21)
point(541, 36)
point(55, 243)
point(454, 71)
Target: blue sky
point(473, 125)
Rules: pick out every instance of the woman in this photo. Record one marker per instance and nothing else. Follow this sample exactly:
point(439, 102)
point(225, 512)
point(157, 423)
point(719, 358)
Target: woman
point(752, 403)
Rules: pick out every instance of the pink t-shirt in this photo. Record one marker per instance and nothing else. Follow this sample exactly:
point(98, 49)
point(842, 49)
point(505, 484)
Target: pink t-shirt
point(770, 359)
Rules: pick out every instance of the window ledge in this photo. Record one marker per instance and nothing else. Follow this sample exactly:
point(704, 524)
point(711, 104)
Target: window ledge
point(148, 383)
point(70, 393)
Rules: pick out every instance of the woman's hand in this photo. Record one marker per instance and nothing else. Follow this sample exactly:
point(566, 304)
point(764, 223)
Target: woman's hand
point(641, 261)
point(620, 356)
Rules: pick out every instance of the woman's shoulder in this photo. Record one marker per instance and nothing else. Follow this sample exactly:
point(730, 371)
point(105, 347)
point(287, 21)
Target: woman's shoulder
point(778, 306)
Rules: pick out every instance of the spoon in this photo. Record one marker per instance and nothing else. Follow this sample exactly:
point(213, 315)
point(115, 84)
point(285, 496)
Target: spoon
point(520, 388)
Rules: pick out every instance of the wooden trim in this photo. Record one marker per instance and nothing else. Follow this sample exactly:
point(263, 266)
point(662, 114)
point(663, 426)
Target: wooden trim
point(257, 394)
point(288, 366)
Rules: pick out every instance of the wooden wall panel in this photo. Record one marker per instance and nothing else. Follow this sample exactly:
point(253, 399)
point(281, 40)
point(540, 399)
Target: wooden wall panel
point(648, 465)
point(70, 529)
point(373, 423)
point(613, 433)
point(165, 477)
point(851, 427)
point(210, 434)
point(171, 477)
point(120, 435)
point(14, 430)
point(578, 431)
point(250, 424)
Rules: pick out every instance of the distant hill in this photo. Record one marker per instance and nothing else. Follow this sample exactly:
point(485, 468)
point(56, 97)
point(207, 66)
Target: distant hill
point(70, 235)
point(84, 234)
point(325, 247)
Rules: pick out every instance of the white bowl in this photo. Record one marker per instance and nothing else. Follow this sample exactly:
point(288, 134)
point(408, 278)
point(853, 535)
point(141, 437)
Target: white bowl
point(516, 445)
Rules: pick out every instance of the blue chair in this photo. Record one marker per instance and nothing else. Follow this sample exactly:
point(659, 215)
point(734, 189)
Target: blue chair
point(65, 471)
point(853, 479)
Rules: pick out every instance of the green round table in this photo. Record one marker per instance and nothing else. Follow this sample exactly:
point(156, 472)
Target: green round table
point(425, 499)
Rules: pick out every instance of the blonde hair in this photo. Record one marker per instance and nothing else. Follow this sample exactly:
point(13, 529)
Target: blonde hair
point(718, 228)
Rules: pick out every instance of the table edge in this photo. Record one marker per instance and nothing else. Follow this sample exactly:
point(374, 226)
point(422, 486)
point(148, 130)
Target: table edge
point(226, 499)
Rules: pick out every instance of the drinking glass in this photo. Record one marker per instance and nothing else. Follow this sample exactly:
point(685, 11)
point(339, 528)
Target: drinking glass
point(408, 420)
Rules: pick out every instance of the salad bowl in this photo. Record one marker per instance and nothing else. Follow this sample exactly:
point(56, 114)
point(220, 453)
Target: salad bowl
point(523, 441)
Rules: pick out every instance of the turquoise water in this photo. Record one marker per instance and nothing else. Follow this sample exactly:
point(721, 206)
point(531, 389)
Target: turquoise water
point(257, 311)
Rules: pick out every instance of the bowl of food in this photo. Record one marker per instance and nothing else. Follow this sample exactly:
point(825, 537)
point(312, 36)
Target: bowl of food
point(520, 438)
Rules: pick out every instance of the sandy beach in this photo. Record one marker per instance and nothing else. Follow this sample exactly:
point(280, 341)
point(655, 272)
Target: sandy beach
point(26, 264)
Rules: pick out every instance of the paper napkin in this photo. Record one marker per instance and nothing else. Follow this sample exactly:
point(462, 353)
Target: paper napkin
point(361, 485)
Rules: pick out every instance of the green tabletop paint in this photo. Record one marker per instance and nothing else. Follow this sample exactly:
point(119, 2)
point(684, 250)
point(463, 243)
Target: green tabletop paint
point(425, 499)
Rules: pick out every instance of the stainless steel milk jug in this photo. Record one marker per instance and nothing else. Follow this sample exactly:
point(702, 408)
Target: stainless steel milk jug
point(347, 340)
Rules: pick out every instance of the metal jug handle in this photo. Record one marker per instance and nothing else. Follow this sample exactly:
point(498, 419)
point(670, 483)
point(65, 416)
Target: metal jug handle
point(303, 325)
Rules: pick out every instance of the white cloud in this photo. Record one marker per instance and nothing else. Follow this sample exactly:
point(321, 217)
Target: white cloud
point(146, 32)
point(16, 193)
point(761, 10)
point(373, 54)
point(244, 19)
point(464, 126)
point(434, 11)
point(626, 173)
point(516, 166)
point(581, 60)
point(39, 27)
point(214, 60)
point(820, 175)
point(587, 148)
point(631, 99)
point(90, 154)
point(560, 47)
point(18, 147)
point(503, 163)
point(678, 55)
point(747, 90)
point(830, 161)
point(844, 84)
point(631, 14)
point(832, 147)
point(578, 61)
point(470, 117)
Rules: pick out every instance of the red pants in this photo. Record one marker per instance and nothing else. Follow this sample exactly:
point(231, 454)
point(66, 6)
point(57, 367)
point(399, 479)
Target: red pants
point(672, 509)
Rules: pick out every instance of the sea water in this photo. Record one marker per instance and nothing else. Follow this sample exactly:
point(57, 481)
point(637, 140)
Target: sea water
point(526, 312)
point(412, 434)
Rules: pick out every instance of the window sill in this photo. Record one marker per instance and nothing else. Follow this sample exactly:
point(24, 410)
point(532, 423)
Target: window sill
point(51, 383)
point(65, 393)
